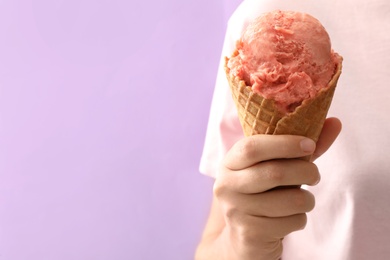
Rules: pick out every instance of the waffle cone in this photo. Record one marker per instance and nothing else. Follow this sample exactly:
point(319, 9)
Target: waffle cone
point(259, 115)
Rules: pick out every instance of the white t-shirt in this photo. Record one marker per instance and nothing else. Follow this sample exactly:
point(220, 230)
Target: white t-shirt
point(351, 219)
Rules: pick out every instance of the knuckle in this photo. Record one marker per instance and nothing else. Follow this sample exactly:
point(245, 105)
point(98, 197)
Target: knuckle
point(231, 213)
point(276, 175)
point(219, 189)
point(273, 173)
point(234, 218)
point(251, 238)
point(247, 147)
point(222, 183)
point(248, 235)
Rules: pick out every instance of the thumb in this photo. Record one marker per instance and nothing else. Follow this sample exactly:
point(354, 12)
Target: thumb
point(330, 131)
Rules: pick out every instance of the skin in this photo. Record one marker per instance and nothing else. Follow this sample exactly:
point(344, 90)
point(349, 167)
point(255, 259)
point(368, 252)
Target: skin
point(257, 200)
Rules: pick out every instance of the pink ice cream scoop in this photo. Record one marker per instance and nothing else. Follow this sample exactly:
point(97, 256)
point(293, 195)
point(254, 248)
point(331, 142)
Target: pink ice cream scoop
point(285, 56)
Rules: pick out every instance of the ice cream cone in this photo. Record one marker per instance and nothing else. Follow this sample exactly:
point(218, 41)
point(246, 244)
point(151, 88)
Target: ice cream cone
point(261, 116)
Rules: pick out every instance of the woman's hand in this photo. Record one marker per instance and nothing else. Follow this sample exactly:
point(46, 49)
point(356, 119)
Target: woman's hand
point(257, 194)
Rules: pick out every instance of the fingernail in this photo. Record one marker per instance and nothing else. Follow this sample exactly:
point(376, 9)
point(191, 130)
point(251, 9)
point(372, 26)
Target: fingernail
point(308, 145)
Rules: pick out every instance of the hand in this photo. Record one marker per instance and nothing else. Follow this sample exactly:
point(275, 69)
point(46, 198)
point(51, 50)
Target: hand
point(257, 189)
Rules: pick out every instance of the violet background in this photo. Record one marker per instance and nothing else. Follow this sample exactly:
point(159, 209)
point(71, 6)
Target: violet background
point(103, 112)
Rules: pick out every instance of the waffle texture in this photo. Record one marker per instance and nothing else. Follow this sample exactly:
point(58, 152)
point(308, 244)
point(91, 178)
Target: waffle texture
point(261, 116)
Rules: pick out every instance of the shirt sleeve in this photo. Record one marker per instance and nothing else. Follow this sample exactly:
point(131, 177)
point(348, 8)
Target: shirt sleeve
point(223, 128)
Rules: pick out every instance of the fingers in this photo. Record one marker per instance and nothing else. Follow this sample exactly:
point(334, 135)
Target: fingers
point(257, 213)
point(253, 230)
point(268, 175)
point(274, 204)
point(258, 148)
point(330, 131)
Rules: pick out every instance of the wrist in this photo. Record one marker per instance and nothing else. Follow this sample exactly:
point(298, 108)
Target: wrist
point(211, 248)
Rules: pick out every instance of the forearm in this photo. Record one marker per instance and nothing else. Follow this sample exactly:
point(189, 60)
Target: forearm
point(207, 250)
point(210, 246)
point(215, 247)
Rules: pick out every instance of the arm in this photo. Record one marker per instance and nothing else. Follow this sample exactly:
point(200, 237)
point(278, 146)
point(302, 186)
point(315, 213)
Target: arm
point(249, 215)
point(208, 247)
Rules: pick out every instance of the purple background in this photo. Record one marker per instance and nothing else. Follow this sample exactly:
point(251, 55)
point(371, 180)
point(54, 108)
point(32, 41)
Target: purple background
point(103, 110)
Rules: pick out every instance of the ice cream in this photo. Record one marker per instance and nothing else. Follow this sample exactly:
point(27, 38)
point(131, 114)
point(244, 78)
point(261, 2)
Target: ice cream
point(283, 74)
point(285, 56)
